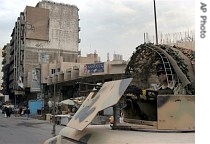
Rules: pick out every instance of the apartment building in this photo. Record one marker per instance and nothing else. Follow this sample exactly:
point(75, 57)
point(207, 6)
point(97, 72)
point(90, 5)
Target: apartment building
point(5, 70)
point(39, 34)
point(42, 58)
point(1, 76)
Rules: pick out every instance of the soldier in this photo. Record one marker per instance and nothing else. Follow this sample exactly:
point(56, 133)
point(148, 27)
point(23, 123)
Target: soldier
point(167, 84)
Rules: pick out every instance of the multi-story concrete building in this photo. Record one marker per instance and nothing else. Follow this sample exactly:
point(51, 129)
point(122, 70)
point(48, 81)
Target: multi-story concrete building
point(87, 70)
point(5, 70)
point(44, 59)
point(1, 76)
point(40, 34)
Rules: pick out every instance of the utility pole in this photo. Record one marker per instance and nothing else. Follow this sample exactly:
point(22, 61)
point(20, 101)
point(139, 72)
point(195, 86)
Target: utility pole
point(156, 33)
point(54, 123)
point(54, 94)
point(56, 71)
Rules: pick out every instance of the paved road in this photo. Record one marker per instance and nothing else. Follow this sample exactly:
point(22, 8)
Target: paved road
point(19, 130)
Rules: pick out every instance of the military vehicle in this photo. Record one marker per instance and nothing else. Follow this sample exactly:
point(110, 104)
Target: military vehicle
point(142, 112)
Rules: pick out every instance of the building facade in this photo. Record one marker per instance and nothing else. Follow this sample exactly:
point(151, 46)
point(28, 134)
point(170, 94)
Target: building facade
point(43, 60)
point(40, 34)
point(5, 70)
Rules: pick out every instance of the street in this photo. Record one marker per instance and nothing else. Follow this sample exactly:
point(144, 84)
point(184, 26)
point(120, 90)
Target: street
point(19, 130)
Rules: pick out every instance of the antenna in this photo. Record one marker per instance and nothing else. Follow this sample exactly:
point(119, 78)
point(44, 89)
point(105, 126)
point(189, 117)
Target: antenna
point(156, 33)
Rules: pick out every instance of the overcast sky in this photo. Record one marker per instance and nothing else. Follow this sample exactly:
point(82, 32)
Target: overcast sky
point(112, 26)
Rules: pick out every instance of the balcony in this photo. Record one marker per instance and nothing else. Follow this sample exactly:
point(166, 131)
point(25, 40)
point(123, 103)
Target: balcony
point(22, 47)
point(11, 42)
point(22, 37)
point(12, 50)
point(67, 74)
point(55, 78)
point(22, 22)
point(3, 53)
point(49, 80)
point(79, 40)
point(11, 60)
point(61, 77)
point(3, 62)
point(75, 74)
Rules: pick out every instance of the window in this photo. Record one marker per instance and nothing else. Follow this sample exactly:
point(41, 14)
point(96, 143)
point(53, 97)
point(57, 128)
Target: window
point(52, 71)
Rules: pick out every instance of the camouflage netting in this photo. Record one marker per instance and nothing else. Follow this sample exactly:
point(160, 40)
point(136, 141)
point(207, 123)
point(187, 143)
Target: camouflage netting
point(142, 65)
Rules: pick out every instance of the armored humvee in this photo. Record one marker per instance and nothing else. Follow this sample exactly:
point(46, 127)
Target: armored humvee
point(142, 113)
